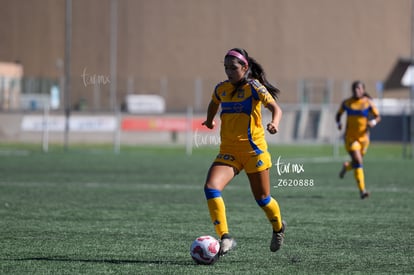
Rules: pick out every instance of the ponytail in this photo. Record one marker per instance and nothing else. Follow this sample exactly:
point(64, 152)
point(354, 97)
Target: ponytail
point(256, 72)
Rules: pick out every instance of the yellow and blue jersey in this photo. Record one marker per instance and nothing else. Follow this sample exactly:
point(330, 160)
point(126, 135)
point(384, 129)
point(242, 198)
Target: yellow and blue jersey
point(358, 111)
point(241, 117)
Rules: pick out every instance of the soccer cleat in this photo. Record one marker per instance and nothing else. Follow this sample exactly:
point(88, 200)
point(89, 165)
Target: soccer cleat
point(227, 243)
point(277, 238)
point(343, 171)
point(364, 195)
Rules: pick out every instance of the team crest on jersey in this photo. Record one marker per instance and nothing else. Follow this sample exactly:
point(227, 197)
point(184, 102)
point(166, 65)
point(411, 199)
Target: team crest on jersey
point(223, 93)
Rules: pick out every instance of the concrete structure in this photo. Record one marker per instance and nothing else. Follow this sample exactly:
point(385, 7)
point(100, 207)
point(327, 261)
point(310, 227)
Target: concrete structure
point(169, 47)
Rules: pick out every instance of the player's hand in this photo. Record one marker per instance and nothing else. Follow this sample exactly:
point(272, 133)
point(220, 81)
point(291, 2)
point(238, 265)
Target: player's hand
point(209, 124)
point(272, 128)
point(372, 123)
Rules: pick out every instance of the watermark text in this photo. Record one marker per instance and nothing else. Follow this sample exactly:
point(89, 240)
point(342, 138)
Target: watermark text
point(94, 79)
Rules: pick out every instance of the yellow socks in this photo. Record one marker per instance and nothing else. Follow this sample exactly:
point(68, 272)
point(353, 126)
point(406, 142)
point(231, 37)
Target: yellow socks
point(217, 211)
point(360, 179)
point(272, 210)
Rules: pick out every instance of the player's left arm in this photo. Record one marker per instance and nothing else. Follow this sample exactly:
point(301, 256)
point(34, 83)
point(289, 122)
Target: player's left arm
point(274, 108)
point(270, 103)
point(375, 114)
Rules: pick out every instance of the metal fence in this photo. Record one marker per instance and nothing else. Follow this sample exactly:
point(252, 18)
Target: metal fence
point(91, 92)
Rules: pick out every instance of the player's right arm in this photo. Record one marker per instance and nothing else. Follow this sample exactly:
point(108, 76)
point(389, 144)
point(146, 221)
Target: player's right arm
point(338, 116)
point(211, 113)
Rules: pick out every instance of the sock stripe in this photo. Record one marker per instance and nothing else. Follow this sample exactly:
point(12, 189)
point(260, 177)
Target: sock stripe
point(263, 202)
point(357, 165)
point(212, 193)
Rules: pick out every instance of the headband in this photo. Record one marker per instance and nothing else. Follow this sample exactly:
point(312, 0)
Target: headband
point(238, 55)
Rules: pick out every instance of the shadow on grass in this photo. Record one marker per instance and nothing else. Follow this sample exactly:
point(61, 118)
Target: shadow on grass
point(107, 261)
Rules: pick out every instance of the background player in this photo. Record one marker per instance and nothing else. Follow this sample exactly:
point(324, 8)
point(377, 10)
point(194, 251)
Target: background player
point(243, 144)
point(361, 115)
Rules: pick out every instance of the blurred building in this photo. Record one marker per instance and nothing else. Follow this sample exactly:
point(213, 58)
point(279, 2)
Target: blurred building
point(175, 48)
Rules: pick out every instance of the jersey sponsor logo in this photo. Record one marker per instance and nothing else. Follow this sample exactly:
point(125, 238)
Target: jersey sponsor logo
point(244, 106)
point(355, 112)
point(238, 108)
point(232, 107)
point(226, 157)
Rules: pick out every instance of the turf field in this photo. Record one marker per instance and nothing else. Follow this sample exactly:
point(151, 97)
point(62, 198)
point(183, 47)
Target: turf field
point(90, 211)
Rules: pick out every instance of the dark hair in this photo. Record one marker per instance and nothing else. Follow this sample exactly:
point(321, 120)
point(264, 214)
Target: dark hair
point(255, 71)
point(356, 83)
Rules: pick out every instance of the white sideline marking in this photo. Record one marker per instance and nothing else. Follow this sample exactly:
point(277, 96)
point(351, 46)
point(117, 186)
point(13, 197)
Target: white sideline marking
point(14, 152)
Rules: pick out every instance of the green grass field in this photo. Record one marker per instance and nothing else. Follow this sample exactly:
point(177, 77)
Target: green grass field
point(90, 211)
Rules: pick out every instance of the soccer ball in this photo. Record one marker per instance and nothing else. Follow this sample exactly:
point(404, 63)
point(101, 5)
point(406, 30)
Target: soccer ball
point(205, 250)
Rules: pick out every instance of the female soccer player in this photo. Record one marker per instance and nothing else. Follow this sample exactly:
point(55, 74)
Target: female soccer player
point(361, 115)
point(243, 144)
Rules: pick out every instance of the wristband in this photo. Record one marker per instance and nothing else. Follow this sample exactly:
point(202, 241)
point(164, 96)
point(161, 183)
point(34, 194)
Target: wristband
point(373, 122)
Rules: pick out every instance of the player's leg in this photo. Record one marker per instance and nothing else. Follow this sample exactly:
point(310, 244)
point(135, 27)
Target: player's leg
point(258, 172)
point(218, 177)
point(357, 165)
point(347, 165)
point(364, 148)
point(260, 186)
